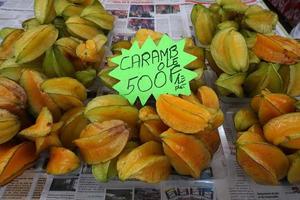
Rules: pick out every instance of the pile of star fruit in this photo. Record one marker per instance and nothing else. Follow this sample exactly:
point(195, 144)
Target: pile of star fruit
point(40, 114)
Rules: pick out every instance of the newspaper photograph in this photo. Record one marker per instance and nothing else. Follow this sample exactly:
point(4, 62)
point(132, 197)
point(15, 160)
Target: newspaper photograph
point(164, 16)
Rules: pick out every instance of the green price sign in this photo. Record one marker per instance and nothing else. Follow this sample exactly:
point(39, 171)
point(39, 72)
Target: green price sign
point(153, 70)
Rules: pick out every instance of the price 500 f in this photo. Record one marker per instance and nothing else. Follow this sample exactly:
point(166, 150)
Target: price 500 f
point(145, 83)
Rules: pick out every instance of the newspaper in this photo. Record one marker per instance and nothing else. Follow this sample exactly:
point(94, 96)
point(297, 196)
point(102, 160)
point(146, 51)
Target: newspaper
point(164, 16)
point(223, 180)
point(80, 184)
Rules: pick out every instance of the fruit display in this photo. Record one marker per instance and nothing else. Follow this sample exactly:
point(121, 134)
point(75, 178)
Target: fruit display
point(44, 105)
point(46, 110)
point(242, 49)
point(268, 138)
point(64, 39)
point(116, 138)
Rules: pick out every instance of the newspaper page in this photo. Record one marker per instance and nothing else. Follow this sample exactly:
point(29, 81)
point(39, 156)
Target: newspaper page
point(223, 180)
point(160, 15)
